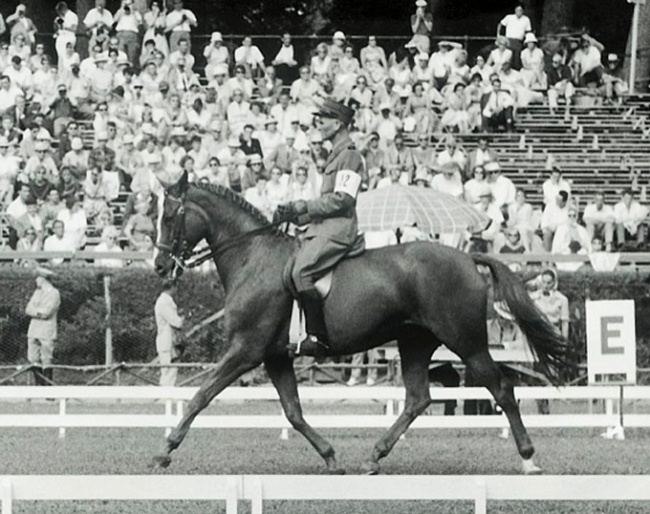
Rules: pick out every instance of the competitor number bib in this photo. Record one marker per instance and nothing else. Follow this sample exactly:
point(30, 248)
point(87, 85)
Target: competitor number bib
point(348, 182)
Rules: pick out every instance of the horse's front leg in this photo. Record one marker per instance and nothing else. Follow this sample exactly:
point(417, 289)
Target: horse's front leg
point(281, 373)
point(234, 364)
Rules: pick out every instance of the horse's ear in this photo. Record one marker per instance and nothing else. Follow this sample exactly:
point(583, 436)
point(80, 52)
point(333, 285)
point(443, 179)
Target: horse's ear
point(183, 183)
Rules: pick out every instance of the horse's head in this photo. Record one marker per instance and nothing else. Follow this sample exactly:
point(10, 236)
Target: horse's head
point(179, 229)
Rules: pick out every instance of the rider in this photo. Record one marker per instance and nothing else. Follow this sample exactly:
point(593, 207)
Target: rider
point(333, 232)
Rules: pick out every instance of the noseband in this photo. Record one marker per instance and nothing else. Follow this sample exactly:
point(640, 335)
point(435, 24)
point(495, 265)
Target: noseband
point(179, 250)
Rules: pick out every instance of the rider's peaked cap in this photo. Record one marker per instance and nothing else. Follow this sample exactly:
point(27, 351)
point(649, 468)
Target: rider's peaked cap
point(333, 109)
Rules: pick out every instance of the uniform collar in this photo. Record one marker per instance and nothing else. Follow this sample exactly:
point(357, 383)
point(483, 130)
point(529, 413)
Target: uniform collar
point(345, 143)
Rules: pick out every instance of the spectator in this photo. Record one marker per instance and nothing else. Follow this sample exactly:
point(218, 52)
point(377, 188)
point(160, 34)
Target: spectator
point(96, 194)
point(8, 93)
point(301, 188)
point(321, 64)
point(240, 81)
point(101, 156)
point(128, 23)
point(440, 63)
point(97, 18)
point(61, 111)
point(532, 62)
point(335, 50)
point(258, 196)
point(629, 217)
point(100, 81)
point(36, 60)
point(168, 325)
point(522, 216)
point(284, 155)
point(155, 23)
point(553, 303)
point(65, 29)
point(43, 158)
point(513, 242)
point(50, 209)
point(474, 186)
point(373, 62)
point(20, 76)
point(250, 57)
point(304, 89)
point(74, 221)
point(183, 52)
point(492, 210)
point(400, 157)
point(285, 62)
point(448, 180)
point(9, 169)
point(503, 189)
point(586, 62)
point(614, 80)
point(178, 24)
point(560, 83)
point(139, 227)
point(387, 125)
point(456, 117)
point(452, 153)
point(109, 245)
point(481, 155)
point(42, 308)
point(500, 55)
point(30, 219)
point(28, 243)
point(68, 184)
point(422, 27)
point(483, 69)
point(39, 186)
point(57, 242)
point(553, 185)
point(516, 27)
point(21, 25)
point(570, 232)
point(498, 108)
point(599, 220)
point(554, 215)
point(76, 158)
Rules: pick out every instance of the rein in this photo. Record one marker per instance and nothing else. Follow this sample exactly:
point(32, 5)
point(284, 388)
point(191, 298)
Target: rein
point(178, 248)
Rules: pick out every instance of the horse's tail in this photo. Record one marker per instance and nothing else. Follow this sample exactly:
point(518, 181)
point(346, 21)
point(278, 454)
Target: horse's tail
point(547, 344)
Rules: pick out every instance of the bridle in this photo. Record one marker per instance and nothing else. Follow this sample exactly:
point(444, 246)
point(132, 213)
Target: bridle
point(179, 249)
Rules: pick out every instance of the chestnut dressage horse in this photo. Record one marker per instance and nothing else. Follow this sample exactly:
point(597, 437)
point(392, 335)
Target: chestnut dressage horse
point(421, 294)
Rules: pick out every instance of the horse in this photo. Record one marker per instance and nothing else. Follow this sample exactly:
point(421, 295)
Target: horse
point(421, 294)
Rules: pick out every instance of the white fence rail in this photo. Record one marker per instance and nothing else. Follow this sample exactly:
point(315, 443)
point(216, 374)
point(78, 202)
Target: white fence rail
point(392, 397)
point(258, 488)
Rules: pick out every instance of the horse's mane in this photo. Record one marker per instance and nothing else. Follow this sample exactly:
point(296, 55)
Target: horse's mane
point(237, 199)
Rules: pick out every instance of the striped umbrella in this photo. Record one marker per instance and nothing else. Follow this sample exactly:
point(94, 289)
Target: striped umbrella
point(398, 206)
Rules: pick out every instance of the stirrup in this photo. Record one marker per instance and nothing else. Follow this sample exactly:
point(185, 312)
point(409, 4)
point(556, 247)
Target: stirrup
point(311, 346)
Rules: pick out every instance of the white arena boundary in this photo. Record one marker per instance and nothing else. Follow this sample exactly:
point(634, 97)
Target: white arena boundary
point(392, 397)
point(260, 488)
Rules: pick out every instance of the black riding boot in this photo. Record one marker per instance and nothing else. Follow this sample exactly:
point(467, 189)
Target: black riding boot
point(48, 373)
point(38, 376)
point(316, 342)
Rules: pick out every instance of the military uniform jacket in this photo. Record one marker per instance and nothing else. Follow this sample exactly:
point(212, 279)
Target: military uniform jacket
point(44, 302)
point(333, 215)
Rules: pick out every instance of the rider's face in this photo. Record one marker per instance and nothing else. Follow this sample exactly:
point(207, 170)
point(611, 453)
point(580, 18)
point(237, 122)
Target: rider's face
point(328, 127)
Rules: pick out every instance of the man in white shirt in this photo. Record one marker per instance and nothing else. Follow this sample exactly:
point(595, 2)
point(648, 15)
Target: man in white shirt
point(587, 62)
point(516, 27)
point(449, 180)
point(553, 185)
point(304, 89)
point(238, 113)
point(285, 62)
point(183, 52)
point(66, 24)
point(129, 21)
point(629, 216)
point(554, 215)
point(599, 220)
point(503, 189)
point(178, 24)
point(499, 108)
point(569, 233)
point(251, 57)
point(96, 18)
point(57, 242)
point(168, 323)
point(283, 112)
point(20, 76)
point(8, 93)
point(452, 153)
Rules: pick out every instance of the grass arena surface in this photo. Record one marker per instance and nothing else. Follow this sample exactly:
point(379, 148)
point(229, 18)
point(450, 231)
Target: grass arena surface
point(260, 451)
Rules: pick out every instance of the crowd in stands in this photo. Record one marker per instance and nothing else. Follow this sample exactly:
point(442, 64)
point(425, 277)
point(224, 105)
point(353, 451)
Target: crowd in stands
point(245, 120)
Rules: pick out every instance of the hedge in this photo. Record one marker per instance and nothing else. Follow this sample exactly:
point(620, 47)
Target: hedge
point(82, 317)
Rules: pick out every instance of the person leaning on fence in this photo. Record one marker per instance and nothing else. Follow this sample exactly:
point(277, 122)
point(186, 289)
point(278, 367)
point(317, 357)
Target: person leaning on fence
point(42, 308)
point(168, 323)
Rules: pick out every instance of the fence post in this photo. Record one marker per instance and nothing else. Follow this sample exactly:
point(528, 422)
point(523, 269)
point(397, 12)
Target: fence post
point(62, 406)
point(108, 359)
point(232, 496)
point(6, 497)
point(480, 500)
point(257, 497)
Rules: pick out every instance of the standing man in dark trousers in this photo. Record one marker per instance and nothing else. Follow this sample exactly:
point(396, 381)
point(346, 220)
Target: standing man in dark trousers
point(333, 228)
point(42, 308)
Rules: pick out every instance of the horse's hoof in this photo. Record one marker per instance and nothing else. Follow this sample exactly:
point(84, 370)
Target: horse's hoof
point(530, 468)
point(336, 470)
point(162, 461)
point(371, 468)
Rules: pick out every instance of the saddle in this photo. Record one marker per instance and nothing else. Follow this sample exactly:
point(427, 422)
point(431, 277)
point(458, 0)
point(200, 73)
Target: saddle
point(297, 328)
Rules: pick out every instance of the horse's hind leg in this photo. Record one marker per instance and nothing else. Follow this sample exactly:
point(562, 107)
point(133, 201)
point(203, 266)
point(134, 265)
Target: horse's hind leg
point(415, 348)
point(234, 364)
point(488, 374)
point(280, 370)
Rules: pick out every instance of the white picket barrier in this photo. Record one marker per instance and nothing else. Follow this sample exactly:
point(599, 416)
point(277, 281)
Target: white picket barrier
point(391, 396)
point(260, 488)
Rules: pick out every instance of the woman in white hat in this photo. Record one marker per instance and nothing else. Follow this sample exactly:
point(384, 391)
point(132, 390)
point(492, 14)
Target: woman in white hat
point(335, 50)
point(321, 63)
point(215, 54)
point(532, 64)
point(422, 27)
